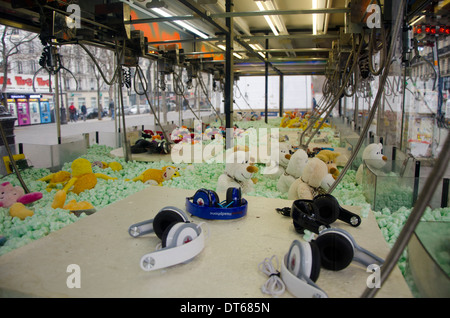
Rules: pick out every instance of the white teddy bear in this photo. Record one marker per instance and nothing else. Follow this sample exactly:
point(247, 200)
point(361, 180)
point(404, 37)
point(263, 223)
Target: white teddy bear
point(238, 173)
point(314, 180)
point(294, 170)
point(275, 168)
point(373, 157)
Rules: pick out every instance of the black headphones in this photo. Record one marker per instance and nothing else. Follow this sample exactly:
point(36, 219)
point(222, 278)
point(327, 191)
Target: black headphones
point(317, 214)
point(333, 249)
point(206, 204)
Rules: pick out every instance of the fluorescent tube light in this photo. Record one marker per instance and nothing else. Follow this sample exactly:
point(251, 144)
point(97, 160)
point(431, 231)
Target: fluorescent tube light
point(257, 47)
point(314, 23)
point(269, 21)
point(180, 23)
point(223, 47)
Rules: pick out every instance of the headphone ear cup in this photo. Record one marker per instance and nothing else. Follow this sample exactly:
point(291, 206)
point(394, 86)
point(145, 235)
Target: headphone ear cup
point(234, 195)
point(327, 208)
point(316, 262)
point(303, 259)
point(214, 198)
point(202, 197)
point(178, 234)
point(166, 234)
point(336, 251)
point(165, 218)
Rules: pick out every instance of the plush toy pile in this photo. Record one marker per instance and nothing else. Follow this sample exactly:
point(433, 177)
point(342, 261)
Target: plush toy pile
point(114, 181)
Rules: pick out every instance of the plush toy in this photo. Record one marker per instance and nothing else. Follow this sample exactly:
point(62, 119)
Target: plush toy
point(60, 199)
point(315, 179)
point(372, 156)
point(329, 157)
point(274, 169)
point(82, 178)
point(10, 195)
point(238, 172)
point(115, 166)
point(212, 133)
point(294, 170)
point(157, 176)
point(20, 211)
point(181, 134)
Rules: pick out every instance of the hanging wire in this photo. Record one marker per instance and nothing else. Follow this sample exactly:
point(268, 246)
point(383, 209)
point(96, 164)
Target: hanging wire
point(178, 86)
point(327, 90)
point(116, 71)
point(375, 47)
point(52, 64)
point(339, 93)
point(202, 85)
point(141, 79)
point(376, 101)
point(242, 95)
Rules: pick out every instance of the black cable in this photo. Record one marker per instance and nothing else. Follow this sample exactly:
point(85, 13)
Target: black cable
point(200, 80)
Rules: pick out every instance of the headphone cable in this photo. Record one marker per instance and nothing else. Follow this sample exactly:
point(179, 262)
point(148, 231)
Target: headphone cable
point(274, 285)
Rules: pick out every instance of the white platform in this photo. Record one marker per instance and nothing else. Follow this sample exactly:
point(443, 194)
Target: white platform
point(227, 267)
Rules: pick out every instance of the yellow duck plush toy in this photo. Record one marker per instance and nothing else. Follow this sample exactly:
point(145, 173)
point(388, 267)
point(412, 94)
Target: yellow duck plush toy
point(82, 178)
point(156, 176)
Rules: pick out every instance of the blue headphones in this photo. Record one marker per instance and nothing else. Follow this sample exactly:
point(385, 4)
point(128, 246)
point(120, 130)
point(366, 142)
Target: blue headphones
point(206, 204)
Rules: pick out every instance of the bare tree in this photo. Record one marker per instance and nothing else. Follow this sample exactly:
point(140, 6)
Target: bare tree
point(11, 40)
point(105, 61)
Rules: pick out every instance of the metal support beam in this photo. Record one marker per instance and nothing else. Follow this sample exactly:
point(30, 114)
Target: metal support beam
point(198, 10)
point(279, 12)
point(281, 89)
point(229, 78)
point(266, 97)
point(289, 36)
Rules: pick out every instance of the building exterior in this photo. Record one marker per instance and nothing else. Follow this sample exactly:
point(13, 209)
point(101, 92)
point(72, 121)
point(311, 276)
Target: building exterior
point(26, 81)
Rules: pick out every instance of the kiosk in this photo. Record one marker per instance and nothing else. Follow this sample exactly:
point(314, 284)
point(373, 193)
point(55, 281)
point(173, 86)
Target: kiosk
point(23, 112)
point(12, 109)
point(45, 111)
point(35, 114)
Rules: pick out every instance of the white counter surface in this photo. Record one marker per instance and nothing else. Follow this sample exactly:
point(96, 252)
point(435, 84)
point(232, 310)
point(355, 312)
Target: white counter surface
point(108, 257)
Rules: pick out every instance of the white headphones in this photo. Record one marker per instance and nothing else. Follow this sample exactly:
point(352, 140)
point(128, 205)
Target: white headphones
point(333, 249)
point(181, 240)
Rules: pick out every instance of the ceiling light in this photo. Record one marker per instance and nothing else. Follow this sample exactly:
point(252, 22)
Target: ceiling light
point(180, 23)
point(257, 47)
point(314, 16)
point(269, 21)
point(223, 47)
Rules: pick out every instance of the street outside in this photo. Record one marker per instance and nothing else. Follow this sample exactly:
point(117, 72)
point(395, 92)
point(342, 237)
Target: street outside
point(47, 134)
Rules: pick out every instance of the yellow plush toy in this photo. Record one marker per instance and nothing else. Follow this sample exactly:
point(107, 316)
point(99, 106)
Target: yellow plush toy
point(115, 166)
point(329, 157)
point(73, 205)
point(19, 210)
point(156, 176)
point(82, 177)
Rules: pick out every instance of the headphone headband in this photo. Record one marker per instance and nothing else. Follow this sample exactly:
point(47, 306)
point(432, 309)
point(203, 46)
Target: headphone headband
point(206, 205)
point(216, 213)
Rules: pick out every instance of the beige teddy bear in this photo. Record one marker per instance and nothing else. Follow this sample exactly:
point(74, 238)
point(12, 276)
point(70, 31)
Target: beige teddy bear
point(239, 171)
point(314, 180)
point(294, 170)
